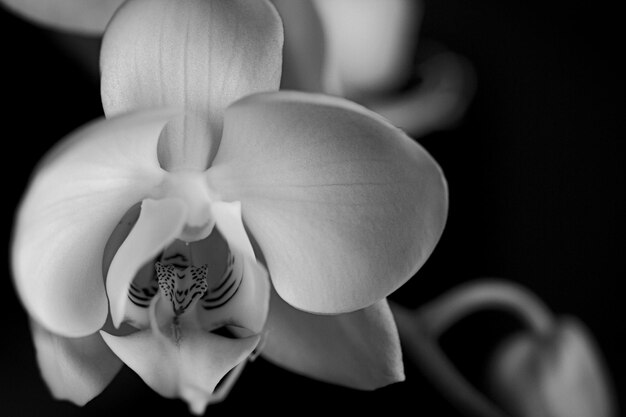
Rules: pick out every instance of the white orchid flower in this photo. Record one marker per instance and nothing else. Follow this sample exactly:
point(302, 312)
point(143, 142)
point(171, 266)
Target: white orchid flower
point(209, 216)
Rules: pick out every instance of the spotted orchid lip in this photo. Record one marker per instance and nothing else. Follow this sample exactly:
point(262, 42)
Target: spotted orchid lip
point(193, 300)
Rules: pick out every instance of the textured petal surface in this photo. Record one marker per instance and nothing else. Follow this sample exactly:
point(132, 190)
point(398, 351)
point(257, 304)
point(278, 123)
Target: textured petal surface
point(159, 223)
point(358, 350)
point(344, 206)
point(189, 369)
point(80, 16)
point(75, 369)
point(79, 194)
point(198, 54)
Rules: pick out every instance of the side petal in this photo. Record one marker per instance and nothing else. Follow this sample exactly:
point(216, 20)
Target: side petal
point(75, 369)
point(246, 310)
point(88, 17)
point(344, 206)
point(198, 54)
point(189, 369)
point(74, 201)
point(359, 350)
point(159, 223)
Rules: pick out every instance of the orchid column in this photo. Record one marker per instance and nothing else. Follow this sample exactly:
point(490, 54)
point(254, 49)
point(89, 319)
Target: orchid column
point(210, 218)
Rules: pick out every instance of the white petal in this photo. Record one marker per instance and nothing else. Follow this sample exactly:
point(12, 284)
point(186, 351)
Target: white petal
point(75, 369)
point(159, 223)
point(248, 307)
point(197, 54)
point(344, 206)
point(79, 194)
point(359, 350)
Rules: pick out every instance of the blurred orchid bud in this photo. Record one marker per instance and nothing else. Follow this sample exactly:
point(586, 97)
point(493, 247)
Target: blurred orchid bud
point(556, 374)
point(370, 43)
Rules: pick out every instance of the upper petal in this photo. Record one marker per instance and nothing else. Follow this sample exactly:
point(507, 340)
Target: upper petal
point(358, 350)
point(344, 206)
point(198, 54)
point(74, 202)
point(81, 16)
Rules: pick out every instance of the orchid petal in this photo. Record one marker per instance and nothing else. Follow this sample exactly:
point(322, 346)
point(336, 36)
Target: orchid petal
point(369, 43)
point(246, 312)
point(344, 206)
point(159, 223)
point(359, 350)
point(190, 368)
point(304, 51)
point(75, 200)
point(201, 55)
point(88, 17)
point(75, 369)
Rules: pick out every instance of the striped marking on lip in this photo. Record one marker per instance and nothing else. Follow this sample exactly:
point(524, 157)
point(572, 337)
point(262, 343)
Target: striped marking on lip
point(226, 288)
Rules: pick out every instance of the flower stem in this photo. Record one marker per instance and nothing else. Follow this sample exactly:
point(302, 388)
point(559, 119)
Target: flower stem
point(420, 330)
point(443, 312)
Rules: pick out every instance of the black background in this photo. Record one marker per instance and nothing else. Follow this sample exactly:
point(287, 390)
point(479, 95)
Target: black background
point(536, 177)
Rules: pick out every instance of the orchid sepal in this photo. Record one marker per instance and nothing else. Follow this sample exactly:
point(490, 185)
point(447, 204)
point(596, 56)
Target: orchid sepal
point(359, 350)
point(74, 369)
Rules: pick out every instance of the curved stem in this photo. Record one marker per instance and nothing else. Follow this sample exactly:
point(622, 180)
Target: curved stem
point(426, 354)
point(443, 312)
point(420, 330)
point(438, 102)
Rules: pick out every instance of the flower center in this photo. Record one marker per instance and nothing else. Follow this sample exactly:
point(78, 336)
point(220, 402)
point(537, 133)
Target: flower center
point(183, 281)
point(191, 187)
point(181, 286)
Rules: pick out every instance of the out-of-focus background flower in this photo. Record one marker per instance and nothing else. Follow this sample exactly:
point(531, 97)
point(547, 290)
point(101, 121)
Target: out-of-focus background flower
point(536, 172)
